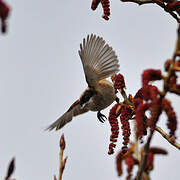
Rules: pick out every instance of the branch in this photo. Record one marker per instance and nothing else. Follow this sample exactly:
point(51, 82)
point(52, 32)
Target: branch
point(177, 47)
point(174, 90)
point(173, 142)
point(144, 159)
point(159, 3)
point(140, 2)
point(126, 99)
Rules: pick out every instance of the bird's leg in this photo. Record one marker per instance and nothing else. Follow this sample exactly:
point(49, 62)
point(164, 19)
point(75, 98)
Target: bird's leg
point(117, 99)
point(101, 117)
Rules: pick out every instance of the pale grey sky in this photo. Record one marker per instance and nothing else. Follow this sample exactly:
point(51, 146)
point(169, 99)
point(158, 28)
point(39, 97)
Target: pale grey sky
point(41, 75)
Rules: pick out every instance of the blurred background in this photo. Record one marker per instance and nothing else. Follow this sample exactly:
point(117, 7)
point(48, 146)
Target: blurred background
point(41, 75)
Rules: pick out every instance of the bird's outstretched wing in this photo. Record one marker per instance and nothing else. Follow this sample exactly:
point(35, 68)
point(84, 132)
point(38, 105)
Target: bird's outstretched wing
point(98, 58)
point(74, 110)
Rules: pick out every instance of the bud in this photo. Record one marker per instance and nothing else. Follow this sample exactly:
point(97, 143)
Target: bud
point(114, 127)
point(62, 142)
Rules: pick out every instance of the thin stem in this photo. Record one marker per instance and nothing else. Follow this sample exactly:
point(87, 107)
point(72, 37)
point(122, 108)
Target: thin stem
point(61, 164)
point(158, 2)
point(177, 47)
point(165, 135)
point(140, 2)
point(136, 148)
point(144, 158)
point(174, 90)
point(171, 68)
point(145, 176)
point(124, 95)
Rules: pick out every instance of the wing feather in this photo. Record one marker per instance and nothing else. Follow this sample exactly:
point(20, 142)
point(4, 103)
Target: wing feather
point(98, 59)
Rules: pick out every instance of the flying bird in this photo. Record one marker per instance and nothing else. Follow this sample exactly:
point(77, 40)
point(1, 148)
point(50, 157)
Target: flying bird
point(99, 62)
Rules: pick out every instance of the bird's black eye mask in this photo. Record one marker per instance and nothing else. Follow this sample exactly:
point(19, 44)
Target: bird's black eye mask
point(86, 96)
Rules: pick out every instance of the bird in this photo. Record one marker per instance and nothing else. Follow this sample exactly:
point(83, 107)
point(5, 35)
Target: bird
point(99, 62)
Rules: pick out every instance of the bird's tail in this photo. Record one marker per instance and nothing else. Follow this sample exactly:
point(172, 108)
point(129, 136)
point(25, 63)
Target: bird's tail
point(74, 110)
point(61, 121)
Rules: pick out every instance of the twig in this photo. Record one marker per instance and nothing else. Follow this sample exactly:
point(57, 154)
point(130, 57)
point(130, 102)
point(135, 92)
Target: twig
point(158, 2)
point(173, 142)
point(140, 2)
point(55, 177)
point(126, 99)
point(61, 168)
point(145, 176)
point(174, 90)
point(144, 158)
point(61, 161)
point(136, 148)
point(177, 48)
point(166, 86)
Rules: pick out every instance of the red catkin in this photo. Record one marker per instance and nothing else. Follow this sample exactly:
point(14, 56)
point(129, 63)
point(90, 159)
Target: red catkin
point(126, 113)
point(147, 98)
point(173, 6)
point(150, 75)
point(172, 119)
point(106, 8)
point(140, 117)
point(150, 157)
point(158, 150)
point(119, 82)
point(4, 13)
point(130, 162)
point(155, 107)
point(95, 4)
point(114, 127)
point(139, 94)
point(119, 163)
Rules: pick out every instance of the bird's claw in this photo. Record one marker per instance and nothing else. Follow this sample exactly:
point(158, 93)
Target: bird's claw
point(101, 117)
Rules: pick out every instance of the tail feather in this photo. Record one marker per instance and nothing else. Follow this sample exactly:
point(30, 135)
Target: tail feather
point(61, 121)
point(74, 110)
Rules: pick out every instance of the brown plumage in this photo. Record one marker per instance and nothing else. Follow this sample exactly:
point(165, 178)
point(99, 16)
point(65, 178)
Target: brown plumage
point(99, 62)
